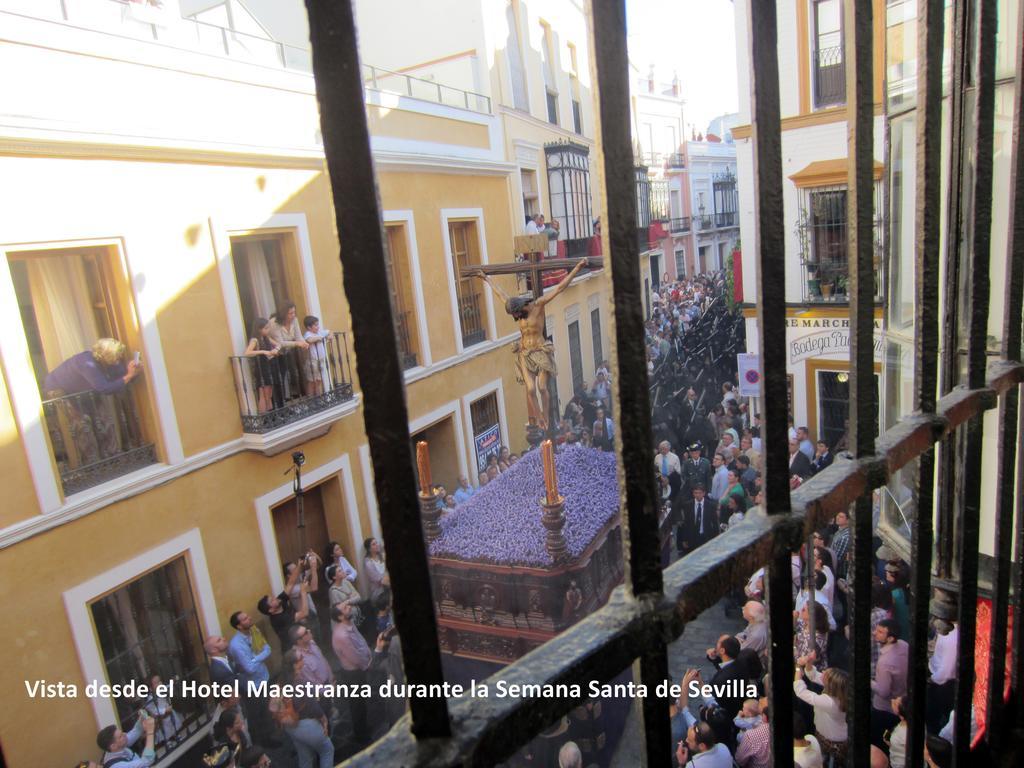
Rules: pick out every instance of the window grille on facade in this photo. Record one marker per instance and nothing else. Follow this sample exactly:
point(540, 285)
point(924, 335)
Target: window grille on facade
point(149, 627)
point(568, 166)
point(660, 200)
point(726, 200)
point(465, 253)
point(595, 332)
point(401, 295)
point(655, 605)
point(680, 262)
point(822, 240)
point(576, 356)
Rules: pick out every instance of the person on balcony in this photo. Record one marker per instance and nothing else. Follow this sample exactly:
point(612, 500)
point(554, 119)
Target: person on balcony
point(265, 350)
point(315, 370)
point(104, 370)
point(285, 332)
point(116, 744)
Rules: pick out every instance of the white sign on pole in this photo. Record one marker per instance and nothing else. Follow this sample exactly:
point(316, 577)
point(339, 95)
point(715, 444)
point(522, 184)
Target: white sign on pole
point(749, 367)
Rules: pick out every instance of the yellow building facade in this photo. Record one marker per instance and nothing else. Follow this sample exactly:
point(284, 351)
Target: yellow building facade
point(168, 197)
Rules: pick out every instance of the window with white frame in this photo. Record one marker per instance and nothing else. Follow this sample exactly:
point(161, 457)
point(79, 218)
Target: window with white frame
point(680, 262)
point(149, 628)
point(465, 246)
point(548, 68)
point(69, 299)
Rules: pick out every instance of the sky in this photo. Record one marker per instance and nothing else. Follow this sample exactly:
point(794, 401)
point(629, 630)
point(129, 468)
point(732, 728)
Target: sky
point(696, 39)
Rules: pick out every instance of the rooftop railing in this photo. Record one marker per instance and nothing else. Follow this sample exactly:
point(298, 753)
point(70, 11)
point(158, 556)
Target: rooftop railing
point(386, 81)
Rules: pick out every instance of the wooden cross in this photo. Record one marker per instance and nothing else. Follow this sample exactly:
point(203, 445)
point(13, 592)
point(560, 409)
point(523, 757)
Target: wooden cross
point(532, 247)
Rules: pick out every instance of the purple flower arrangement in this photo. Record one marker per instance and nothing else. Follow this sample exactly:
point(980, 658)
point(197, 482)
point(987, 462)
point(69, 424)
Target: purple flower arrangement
point(501, 523)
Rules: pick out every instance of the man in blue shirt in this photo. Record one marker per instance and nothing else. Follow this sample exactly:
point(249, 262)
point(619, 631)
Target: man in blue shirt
point(249, 652)
point(116, 745)
point(465, 491)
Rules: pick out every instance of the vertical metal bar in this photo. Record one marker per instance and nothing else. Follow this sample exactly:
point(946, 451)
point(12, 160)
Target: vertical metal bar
point(859, 32)
point(634, 413)
point(771, 319)
point(950, 363)
point(633, 438)
point(1008, 437)
point(1012, 348)
point(930, 22)
point(970, 512)
point(357, 212)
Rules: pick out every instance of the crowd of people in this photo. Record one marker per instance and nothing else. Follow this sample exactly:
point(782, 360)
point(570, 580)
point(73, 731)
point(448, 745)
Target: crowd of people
point(354, 643)
point(709, 486)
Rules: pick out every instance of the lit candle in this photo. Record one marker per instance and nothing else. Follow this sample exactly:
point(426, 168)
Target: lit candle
point(550, 479)
point(423, 466)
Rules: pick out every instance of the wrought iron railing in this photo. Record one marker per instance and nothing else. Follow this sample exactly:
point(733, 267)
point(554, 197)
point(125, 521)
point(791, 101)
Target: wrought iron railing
point(405, 345)
point(727, 219)
point(703, 221)
point(377, 79)
point(829, 77)
point(654, 606)
point(274, 392)
point(471, 319)
point(95, 438)
point(676, 160)
point(678, 225)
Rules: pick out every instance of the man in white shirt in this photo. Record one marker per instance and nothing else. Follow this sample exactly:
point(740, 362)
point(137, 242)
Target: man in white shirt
point(942, 668)
point(666, 461)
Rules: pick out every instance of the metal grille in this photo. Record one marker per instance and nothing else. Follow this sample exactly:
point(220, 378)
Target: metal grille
point(653, 607)
point(150, 627)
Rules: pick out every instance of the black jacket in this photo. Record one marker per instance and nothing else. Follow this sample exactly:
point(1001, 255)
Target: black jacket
point(801, 465)
point(690, 534)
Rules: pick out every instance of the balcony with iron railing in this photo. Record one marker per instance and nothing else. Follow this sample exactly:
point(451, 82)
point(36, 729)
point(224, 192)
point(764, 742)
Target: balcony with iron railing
point(406, 349)
point(295, 384)
point(829, 77)
point(471, 319)
point(679, 225)
point(726, 219)
point(676, 161)
point(95, 438)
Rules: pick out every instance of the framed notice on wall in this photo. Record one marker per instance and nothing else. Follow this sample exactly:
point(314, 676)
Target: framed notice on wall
point(488, 443)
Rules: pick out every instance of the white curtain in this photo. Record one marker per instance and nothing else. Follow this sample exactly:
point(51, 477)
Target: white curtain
point(255, 262)
point(60, 297)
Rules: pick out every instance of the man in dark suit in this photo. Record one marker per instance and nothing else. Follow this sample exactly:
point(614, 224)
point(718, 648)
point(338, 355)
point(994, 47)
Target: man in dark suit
point(822, 457)
point(799, 464)
point(699, 521)
point(724, 657)
point(222, 671)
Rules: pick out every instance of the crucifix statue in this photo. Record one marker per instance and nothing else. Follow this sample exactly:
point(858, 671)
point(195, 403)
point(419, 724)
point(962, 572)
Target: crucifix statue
point(534, 354)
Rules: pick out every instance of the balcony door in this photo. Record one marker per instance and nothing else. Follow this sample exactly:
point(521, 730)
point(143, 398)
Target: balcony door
point(827, 57)
point(68, 300)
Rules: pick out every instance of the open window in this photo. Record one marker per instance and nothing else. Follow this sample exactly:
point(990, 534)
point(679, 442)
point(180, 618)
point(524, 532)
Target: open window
point(150, 627)
point(99, 427)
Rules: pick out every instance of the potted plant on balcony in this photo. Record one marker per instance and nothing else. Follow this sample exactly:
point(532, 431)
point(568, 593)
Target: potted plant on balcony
point(826, 290)
point(841, 284)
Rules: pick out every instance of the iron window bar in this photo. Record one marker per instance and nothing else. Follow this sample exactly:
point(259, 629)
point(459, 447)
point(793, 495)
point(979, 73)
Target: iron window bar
point(652, 608)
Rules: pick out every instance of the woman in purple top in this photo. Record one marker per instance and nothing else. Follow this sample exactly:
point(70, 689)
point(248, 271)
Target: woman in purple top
point(101, 369)
point(92, 416)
